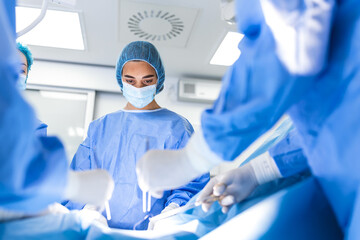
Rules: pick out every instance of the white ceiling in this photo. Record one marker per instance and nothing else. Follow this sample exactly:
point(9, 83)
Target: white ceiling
point(105, 25)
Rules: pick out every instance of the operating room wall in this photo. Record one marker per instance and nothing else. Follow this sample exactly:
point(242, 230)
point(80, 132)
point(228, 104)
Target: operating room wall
point(73, 76)
point(108, 96)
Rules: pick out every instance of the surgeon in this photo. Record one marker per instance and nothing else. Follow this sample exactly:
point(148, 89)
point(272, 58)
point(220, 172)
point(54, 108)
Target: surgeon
point(299, 57)
point(34, 172)
point(26, 63)
point(117, 140)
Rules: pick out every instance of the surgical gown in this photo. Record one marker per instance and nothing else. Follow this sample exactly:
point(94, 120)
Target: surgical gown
point(33, 170)
point(41, 129)
point(258, 89)
point(116, 141)
point(289, 155)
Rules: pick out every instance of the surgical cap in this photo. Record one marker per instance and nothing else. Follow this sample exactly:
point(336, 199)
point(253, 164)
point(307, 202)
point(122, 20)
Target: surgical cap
point(142, 51)
point(26, 51)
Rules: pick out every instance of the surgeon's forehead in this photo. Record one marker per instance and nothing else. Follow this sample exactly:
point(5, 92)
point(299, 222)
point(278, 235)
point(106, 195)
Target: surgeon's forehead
point(138, 66)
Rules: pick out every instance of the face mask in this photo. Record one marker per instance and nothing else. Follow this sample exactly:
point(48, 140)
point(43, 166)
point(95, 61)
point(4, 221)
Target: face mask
point(139, 97)
point(21, 82)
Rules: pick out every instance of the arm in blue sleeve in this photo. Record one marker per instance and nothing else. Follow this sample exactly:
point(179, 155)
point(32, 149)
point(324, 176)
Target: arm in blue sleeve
point(183, 194)
point(260, 86)
point(354, 230)
point(81, 160)
point(257, 90)
point(41, 130)
point(33, 171)
point(288, 155)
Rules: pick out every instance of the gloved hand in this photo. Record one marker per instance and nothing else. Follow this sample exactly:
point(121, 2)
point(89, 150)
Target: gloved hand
point(171, 206)
point(55, 208)
point(93, 187)
point(91, 214)
point(160, 170)
point(236, 185)
point(151, 224)
point(232, 187)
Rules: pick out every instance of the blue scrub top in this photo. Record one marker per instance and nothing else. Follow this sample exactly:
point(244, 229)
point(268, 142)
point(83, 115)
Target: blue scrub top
point(116, 141)
point(258, 90)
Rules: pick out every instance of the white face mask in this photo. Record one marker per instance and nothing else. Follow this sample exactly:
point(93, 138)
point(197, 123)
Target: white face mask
point(139, 97)
point(21, 82)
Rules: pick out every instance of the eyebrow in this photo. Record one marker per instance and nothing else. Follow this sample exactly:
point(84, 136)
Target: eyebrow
point(147, 76)
point(24, 64)
point(128, 76)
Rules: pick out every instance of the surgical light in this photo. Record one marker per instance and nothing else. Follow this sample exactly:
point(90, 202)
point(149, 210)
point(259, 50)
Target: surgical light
point(60, 29)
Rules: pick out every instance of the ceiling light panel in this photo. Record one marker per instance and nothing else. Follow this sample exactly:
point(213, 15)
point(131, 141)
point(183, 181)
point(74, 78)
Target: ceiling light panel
point(228, 51)
point(161, 24)
point(59, 29)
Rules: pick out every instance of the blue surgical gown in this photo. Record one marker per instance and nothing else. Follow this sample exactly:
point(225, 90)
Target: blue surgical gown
point(33, 169)
point(116, 141)
point(41, 129)
point(289, 155)
point(258, 89)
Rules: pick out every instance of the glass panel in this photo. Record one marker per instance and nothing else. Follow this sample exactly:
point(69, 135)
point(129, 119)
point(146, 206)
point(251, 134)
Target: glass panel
point(64, 113)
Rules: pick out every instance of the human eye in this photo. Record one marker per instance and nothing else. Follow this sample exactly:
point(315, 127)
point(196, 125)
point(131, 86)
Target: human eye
point(129, 81)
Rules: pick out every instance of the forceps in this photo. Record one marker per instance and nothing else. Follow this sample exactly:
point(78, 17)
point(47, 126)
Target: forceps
point(148, 201)
point(107, 210)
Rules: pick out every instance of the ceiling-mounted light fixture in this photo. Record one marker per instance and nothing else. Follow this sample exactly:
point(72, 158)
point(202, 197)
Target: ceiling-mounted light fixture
point(40, 17)
point(228, 51)
point(59, 29)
